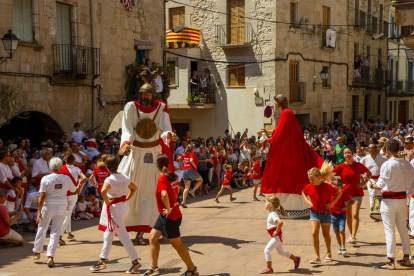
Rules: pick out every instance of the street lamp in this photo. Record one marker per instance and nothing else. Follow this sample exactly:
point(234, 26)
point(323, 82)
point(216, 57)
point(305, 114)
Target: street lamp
point(324, 76)
point(176, 30)
point(10, 43)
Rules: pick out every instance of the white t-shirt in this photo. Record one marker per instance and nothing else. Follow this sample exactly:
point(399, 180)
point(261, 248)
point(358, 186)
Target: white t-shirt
point(40, 167)
point(333, 132)
point(16, 172)
point(232, 157)
point(177, 165)
point(119, 185)
point(5, 173)
point(56, 186)
point(271, 220)
point(397, 175)
point(77, 136)
point(32, 200)
point(81, 206)
point(180, 150)
point(74, 171)
point(78, 157)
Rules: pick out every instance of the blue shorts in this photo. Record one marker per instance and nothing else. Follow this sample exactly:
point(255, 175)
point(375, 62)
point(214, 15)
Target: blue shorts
point(338, 222)
point(324, 218)
point(190, 175)
point(357, 199)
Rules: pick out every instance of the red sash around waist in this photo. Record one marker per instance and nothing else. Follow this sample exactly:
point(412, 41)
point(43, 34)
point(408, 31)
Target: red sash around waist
point(375, 177)
point(37, 182)
point(111, 222)
point(31, 210)
point(394, 195)
point(64, 170)
point(10, 199)
point(270, 231)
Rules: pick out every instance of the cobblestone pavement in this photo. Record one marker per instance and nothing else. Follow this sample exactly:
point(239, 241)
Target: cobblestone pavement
point(224, 239)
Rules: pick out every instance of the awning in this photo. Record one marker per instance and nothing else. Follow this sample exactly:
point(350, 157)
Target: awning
point(189, 35)
point(410, 54)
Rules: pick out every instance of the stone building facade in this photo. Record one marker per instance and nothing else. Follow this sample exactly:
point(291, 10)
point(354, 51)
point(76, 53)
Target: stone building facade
point(298, 50)
point(82, 44)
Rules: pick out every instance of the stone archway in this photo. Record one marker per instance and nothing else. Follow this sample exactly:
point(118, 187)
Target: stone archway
point(37, 127)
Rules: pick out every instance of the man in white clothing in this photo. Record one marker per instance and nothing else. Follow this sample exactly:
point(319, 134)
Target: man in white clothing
point(41, 167)
point(396, 179)
point(31, 207)
point(373, 162)
point(52, 206)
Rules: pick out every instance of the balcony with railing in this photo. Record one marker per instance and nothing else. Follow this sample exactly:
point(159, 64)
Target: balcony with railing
point(401, 87)
point(201, 94)
point(76, 61)
point(234, 35)
point(297, 92)
point(371, 77)
point(360, 19)
point(372, 24)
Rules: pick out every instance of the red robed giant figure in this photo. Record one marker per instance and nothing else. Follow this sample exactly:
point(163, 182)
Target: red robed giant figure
point(289, 159)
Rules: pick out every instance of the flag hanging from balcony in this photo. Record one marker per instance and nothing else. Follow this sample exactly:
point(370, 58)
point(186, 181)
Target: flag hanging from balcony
point(330, 38)
point(189, 35)
point(127, 4)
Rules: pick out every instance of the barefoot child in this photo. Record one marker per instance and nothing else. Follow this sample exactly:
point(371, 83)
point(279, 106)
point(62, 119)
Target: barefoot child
point(257, 177)
point(81, 209)
point(116, 191)
point(226, 184)
point(320, 194)
point(274, 228)
point(339, 216)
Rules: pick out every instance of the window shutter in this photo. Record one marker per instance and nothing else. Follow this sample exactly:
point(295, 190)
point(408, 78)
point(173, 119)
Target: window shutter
point(22, 20)
point(182, 16)
point(63, 24)
point(232, 75)
point(236, 75)
point(292, 13)
point(240, 75)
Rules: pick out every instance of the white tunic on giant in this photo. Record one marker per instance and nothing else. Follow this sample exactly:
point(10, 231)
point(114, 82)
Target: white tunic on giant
point(143, 209)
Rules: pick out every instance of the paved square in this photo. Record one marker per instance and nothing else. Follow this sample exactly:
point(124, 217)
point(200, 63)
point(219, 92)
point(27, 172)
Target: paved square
point(224, 239)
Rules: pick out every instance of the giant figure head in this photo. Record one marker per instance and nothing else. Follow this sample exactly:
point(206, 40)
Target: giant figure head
point(281, 101)
point(147, 92)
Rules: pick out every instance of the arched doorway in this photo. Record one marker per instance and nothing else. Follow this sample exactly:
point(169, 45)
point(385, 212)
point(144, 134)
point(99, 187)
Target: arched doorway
point(36, 126)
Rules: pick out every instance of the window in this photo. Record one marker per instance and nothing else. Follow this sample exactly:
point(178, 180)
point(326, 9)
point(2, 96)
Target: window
point(236, 75)
point(294, 20)
point(66, 54)
point(327, 82)
point(380, 58)
point(236, 21)
point(381, 17)
point(356, 49)
point(390, 108)
point(325, 23)
point(356, 13)
point(22, 20)
point(177, 17)
point(379, 105)
point(294, 81)
point(171, 74)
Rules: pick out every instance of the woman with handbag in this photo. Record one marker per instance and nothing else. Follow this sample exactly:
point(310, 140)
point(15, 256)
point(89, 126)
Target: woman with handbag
point(205, 163)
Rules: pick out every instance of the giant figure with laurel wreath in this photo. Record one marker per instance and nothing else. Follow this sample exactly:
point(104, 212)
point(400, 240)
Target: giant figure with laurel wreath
point(146, 133)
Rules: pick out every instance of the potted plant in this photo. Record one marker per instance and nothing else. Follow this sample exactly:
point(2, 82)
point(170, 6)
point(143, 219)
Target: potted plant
point(190, 98)
point(203, 97)
point(180, 44)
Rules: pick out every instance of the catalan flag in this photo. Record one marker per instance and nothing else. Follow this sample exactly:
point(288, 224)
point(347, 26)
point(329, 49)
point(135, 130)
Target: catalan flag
point(189, 35)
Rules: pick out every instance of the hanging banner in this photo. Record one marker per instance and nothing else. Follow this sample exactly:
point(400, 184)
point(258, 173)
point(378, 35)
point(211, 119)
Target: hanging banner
point(128, 5)
point(189, 35)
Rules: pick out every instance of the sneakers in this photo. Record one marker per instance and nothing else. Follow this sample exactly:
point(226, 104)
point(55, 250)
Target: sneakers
point(328, 258)
point(50, 262)
point(36, 256)
point(344, 252)
point(339, 251)
point(216, 200)
point(316, 261)
point(354, 240)
point(261, 195)
point(233, 199)
point(266, 271)
point(98, 266)
point(61, 242)
point(349, 239)
point(255, 199)
point(297, 262)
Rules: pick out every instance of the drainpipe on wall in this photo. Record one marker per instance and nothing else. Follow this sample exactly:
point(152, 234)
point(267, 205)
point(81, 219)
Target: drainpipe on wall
point(92, 15)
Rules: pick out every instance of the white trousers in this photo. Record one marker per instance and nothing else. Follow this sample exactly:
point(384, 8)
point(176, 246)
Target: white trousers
point(57, 214)
point(119, 213)
point(411, 216)
point(67, 224)
point(394, 213)
point(275, 243)
point(372, 192)
point(85, 215)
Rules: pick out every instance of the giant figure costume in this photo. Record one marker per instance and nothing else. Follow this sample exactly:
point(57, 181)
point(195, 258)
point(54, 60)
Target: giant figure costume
point(289, 159)
point(145, 135)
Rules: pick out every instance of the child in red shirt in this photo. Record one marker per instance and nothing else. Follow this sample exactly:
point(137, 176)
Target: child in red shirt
point(100, 174)
point(226, 184)
point(257, 177)
point(320, 194)
point(339, 216)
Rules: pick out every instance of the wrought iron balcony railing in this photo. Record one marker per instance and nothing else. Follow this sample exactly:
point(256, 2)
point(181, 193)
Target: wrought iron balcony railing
point(236, 33)
point(76, 61)
point(372, 24)
point(401, 86)
point(360, 19)
point(368, 76)
point(200, 91)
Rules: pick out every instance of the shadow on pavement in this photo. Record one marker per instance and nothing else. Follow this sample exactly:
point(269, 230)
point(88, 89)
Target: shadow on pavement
point(191, 240)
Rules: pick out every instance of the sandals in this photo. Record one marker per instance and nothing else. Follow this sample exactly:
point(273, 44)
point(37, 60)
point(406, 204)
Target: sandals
point(403, 262)
point(99, 265)
point(328, 258)
point(50, 263)
point(152, 271)
point(388, 265)
point(193, 272)
point(134, 268)
point(139, 240)
point(316, 261)
point(71, 236)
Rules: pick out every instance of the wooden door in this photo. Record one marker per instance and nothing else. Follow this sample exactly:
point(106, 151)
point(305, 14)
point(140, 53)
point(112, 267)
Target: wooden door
point(294, 80)
point(402, 112)
point(236, 22)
